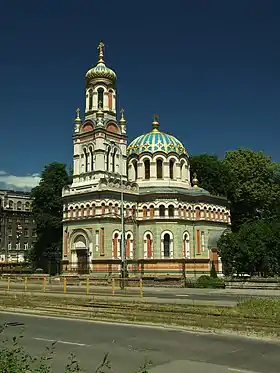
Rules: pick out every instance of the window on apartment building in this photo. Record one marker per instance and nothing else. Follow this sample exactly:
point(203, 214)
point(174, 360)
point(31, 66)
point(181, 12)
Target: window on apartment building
point(25, 232)
point(9, 246)
point(26, 220)
point(25, 245)
point(18, 246)
point(34, 233)
point(10, 231)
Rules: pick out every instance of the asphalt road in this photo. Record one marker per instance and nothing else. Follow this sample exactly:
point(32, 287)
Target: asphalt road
point(208, 295)
point(129, 346)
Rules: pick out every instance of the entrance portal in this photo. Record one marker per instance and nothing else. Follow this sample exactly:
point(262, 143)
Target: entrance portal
point(82, 255)
point(83, 264)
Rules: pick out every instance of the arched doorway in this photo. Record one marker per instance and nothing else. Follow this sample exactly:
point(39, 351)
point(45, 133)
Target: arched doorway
point(82, 255)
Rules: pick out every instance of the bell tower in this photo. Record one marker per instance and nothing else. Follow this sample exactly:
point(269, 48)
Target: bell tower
point(101, 88)
point(99, 139)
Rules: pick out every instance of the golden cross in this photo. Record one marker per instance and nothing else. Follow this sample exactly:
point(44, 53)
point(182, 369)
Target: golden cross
point(156, 118)
point(122, 110)
point(100, 47)
point(78, 113)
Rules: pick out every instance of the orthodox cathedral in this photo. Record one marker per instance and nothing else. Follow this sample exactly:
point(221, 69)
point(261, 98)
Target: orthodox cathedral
point(141, 191)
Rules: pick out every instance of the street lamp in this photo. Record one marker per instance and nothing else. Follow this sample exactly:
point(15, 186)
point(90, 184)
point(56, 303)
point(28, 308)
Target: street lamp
point(123, 253)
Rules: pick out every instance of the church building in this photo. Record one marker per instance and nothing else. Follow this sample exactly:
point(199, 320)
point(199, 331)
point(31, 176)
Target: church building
point(141, 190)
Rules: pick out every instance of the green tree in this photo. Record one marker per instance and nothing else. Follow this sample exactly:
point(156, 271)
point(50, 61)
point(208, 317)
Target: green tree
point(251, 185)
point(47, 208)
point(252, 250)
point(211, 172)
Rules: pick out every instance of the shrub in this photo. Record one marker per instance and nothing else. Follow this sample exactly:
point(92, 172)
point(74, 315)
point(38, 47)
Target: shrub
point(213, 272)
point(205, 281)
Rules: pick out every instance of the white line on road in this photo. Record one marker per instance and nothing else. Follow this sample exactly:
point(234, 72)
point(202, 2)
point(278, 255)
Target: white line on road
point(182, 295)
point(240, 370)
point(62, 342)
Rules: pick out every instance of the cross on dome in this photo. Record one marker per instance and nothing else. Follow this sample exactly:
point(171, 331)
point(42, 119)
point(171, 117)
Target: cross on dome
point(101, 54)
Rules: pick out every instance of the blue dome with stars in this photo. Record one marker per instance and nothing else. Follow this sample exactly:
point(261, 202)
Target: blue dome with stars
point(155, 141)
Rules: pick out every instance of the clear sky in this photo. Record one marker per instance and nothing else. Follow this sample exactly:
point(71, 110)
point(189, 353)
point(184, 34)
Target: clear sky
point(210, 69)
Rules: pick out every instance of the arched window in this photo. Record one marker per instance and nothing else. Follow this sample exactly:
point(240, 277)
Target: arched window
point(148, 245)
point(133, 211)
point(144, 211)
point(86, 160)
point(147, 169)
point(152, 211)
point(114, 160)
point(82, 210)
point(166, 245)
point(180, 211)
point(116, 209)
point(108, 159)
point(162, 210)
point(135, 169)
point(197, 213)
point(182, 170)
point(116, 244)
point(71, 212)
point(110, 99)
point(27, 206)
point(128, 245)
point(127, 211)
point(159, 168)
point(91, 159)
point(186, 246)
point(19, 205)
point(88, 210)
point(11, 204)
point(103, 209)
point(171, 211)
point(185, 212)
point(93, 210)
point(110, 208)
point(77, 211)
point(100, 97)
point(171, 169)
point(90, 100)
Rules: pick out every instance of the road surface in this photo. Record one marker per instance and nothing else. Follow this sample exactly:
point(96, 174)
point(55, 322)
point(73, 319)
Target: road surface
point(213, 296)
point(129, 346)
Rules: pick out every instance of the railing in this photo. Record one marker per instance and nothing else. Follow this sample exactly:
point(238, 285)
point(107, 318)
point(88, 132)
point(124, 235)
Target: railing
point(75, 286)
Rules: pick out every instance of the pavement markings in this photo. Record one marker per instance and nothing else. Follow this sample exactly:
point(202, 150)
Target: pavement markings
point(182, 295)
point(240, 370)
point(62, 342)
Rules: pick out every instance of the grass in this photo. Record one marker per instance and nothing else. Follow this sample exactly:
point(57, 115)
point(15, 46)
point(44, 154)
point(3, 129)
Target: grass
point(253, 316)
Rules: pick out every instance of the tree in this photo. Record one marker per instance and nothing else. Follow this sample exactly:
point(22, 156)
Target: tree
point(211, 172)
point(47, 209)
point(252, 250)
point(250, 187)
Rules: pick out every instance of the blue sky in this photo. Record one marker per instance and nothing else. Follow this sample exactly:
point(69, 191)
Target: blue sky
point(210, 69)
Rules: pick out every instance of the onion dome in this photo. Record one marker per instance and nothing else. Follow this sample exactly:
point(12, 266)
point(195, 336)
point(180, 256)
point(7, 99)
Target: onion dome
point(156, 141)
point(101, 71)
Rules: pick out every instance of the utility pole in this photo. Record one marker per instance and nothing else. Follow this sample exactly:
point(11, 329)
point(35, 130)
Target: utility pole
point(123, 253)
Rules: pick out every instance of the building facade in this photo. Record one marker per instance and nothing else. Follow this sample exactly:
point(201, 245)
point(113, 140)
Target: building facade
point(170, 223)
point(17, 226)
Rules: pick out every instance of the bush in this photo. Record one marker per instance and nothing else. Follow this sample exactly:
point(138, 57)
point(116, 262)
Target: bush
point(213, 272)
point(205, 281)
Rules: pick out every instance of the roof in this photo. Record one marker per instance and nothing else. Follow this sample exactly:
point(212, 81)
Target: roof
point(155, 141)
